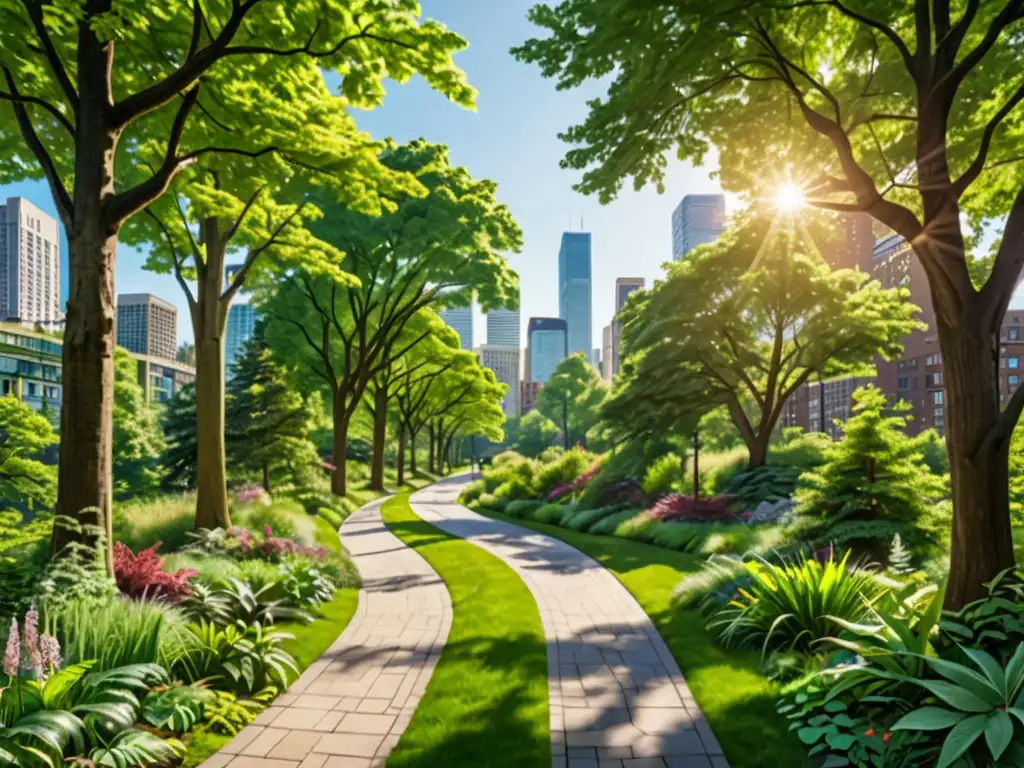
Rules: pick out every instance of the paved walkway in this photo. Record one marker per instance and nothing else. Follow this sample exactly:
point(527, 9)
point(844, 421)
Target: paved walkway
point(349, 708)
point(618, 699)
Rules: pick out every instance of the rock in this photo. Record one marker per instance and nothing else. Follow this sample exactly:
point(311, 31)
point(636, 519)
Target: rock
point(770, 512)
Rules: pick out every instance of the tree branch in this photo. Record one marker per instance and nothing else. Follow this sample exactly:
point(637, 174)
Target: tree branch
point(175, 260)
point(35, 14)
point(978, 165)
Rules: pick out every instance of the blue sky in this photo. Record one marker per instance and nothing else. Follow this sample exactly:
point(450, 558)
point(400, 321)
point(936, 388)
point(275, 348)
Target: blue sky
point(511, 138)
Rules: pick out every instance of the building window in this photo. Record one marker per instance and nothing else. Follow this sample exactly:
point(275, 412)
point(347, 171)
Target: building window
point(933, 379)
point(937, 397)
point(933, 359)
point(1013, 362)
point(1012, 380)
point(1013, 334)
point(903, 383)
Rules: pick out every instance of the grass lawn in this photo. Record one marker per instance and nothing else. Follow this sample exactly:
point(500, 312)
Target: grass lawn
point(737, 701)
point(487, 702)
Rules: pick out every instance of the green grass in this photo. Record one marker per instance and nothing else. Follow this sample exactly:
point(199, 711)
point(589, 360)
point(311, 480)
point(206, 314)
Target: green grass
point(487, 702)
point(737, 700)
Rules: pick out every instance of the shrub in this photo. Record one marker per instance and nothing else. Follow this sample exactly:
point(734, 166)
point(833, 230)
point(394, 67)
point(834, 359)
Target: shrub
point(621, 493)
point(681, 537)
point(550, 454)
point(639, 528)
point(333, 517)
point(794, 605)
point(239, 659)
point(678, 507)
point(663, 476)
point(305, 583)
point(768, 483)
point(208, 568)
point(563, 470)
point(24, 549)
point(115, 634)
point(341, 570)
point(168, 519)
point(607, 525)
point(522, 508)
point(143, 576)
point(585, 518)
point(486, 500)
point(719, 575)
point(285, 518)
point(552, 514)
point(471, 492)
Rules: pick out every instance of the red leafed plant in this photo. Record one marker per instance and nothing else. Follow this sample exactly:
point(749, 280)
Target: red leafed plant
point(143, 576)
point(674, 506)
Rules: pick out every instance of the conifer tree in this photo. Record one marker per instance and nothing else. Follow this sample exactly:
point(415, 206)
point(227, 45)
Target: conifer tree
point(268, 422)
point(179, 423)
point(874, 483)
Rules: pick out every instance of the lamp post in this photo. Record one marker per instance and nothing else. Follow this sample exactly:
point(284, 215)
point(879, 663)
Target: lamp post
point(696, 463)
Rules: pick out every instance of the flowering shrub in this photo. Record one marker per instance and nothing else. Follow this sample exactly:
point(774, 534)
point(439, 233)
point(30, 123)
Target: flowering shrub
point(685, 508)
point(626, 493)
point(30, 651)
point(142, 575)
point(558, 492)
point(253, 494)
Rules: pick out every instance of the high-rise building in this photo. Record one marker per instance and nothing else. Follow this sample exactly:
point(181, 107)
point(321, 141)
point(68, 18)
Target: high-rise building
point(504, 361)
point(147, 325)
point(624, 286)
point(595, 359)
point(606, 355)
point(240, 328)
point(697, 219)
point(460, 320)
point(29, 265)
point(30, 364)
point(503, 327)
point(574, 290)
point(547, 345)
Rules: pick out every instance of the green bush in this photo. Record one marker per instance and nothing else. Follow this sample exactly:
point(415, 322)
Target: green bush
point(717, 574)
point(551, 454)
point(210, 568)
point(522, 508)
point(472, 492)
point(585, 518)
point(510, 478)
point(285, 517)
point(607, 525)
point(24, 550)
point(794, 605)
point(333, 517)
point(681, 537)
point(486, 500)
point(552, 514)
point(770, 483)
point(664, 475)
point(639, 528)
point(563, 470)
point(168, 519)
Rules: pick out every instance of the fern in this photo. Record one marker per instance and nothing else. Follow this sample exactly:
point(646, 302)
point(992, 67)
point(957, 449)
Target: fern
point(134, 749)
point(900, 559)
point(229, 714)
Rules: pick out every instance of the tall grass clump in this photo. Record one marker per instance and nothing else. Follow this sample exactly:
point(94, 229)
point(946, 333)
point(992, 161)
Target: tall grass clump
point(140, 524)
point(285, 517)
point(607, 526)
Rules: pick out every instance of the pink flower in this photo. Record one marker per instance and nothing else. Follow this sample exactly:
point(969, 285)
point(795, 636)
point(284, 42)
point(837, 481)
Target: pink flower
point(12, 653)
point(267, 532)
point(49, 650)
point(31, 643)
point(885, 739)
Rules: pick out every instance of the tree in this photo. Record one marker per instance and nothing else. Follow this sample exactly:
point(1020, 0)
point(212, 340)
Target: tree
point(256, 210)
point(873, 485)
point(186, 354)
point(91, 122)
point(572, 397)
point(718, 434)
point(531, 434)
point(179, 423)
point(743, 328)
point(24, 434)
point(909, 112)
point(441, 249)
point(138, 438)
point(268, 422)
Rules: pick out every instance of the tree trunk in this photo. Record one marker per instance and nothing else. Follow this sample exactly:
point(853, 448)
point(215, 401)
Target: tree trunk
point(412, 453)
point(266, 477)
point(339, 442)
point(757, 446)
point(982, 543)
point(400, 460)
point(86, 434)
point(380, 434)
point(431, 468)
point(211, 472)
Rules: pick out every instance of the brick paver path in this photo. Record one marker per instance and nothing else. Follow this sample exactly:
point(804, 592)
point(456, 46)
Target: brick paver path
point(349, 708)
point(618, 699)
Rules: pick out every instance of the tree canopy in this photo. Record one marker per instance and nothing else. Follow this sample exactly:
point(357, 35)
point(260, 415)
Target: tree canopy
point(138, 438)
point(24, 434)
point(572, 397)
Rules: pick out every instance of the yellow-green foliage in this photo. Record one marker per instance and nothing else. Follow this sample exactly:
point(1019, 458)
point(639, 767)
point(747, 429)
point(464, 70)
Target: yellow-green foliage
point(522, 508)
point(167, 519)
point(640, 527)
point(664, 475)
point(472, 492)
point(563, 469)
point(551, 513)
point(285, 517)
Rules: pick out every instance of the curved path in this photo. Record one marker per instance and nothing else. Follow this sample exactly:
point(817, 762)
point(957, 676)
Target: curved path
point(618, 699)
point(349, 708)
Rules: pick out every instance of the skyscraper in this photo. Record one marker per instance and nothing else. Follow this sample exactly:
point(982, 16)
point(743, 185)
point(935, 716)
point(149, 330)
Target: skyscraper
point(547, 346)
point(240, 328)
point(503, 327)
point(574, 291)
point(147, 325)
point(504, 361)
point(624, 286)
point(697, 219)
point(29, 264)
point(460, 320)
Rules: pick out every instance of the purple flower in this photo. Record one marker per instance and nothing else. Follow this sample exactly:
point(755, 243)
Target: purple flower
point(12, 654)
point(49, 649)
point(31, 643)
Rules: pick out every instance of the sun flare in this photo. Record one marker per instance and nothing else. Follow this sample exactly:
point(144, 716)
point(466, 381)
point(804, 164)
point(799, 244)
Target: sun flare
point(789, 197)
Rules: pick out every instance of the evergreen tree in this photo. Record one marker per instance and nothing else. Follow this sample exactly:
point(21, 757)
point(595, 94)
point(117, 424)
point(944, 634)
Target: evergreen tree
point(268, 422)
point(138, 438)
point(179, 423)
point(874, 483)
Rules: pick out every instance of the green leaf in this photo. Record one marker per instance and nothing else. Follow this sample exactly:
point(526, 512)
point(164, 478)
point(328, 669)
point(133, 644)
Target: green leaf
point(960, 739)
point(998, 733)
point(990, 667)
point(811, 735)
point(928, 719)
point(968, 680)
point(956, 696)
point(58, 689)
